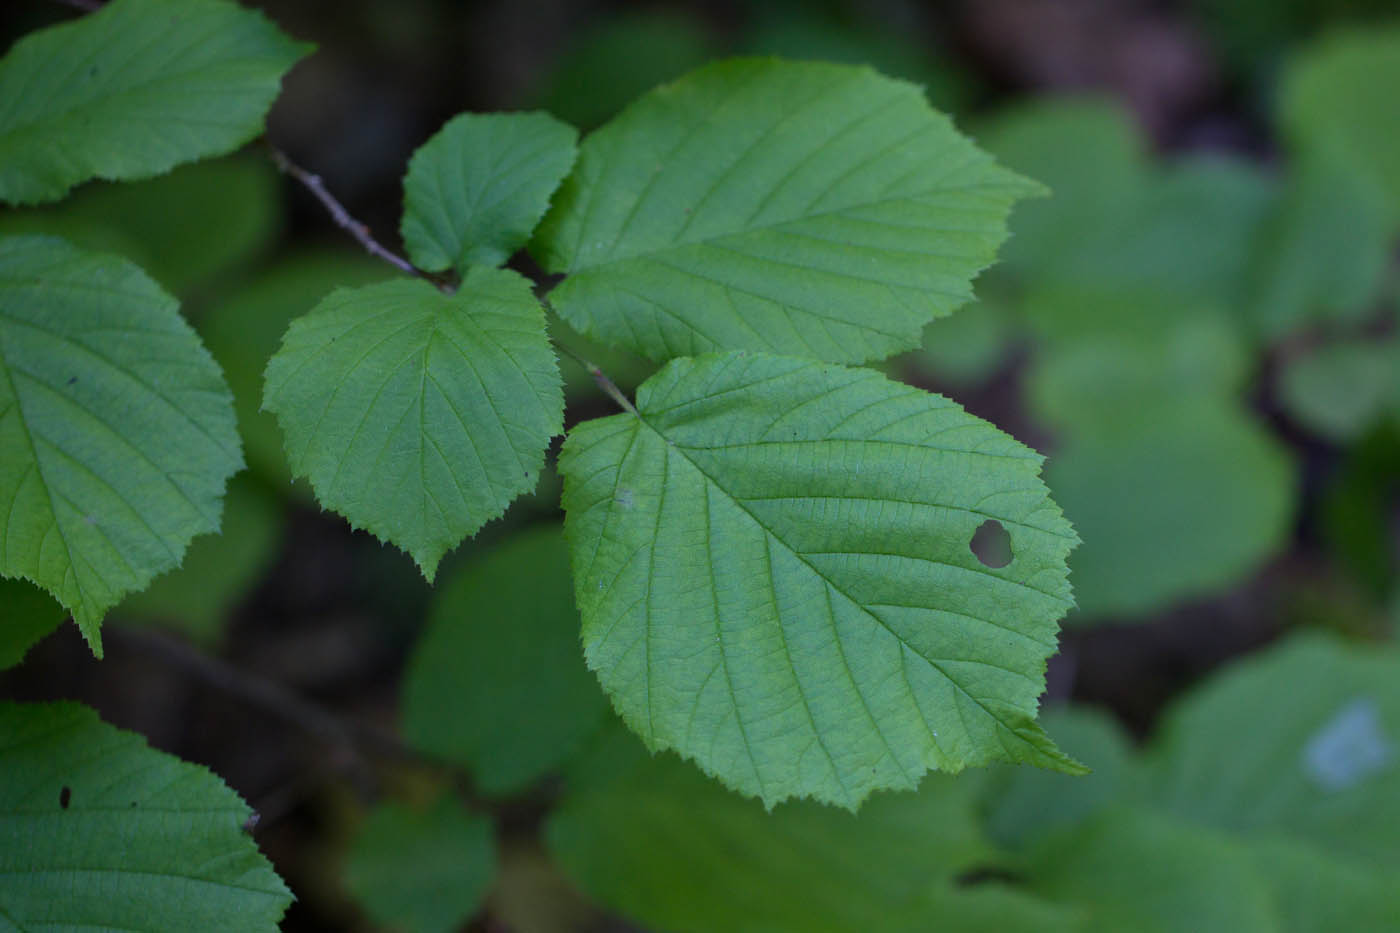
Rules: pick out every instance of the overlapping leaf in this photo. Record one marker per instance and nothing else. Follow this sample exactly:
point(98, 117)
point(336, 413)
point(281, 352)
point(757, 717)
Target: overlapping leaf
point(116, 427)
point(133, 90)
point(419, 416)
point(476, 190)
point(99, 832)
point(814, 209)
point(772, 561)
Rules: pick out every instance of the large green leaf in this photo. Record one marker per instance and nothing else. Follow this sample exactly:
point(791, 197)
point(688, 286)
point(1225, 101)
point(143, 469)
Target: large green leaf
point(1338, 98)
point(133, 90)
point(808, 208)
point(422, 869)
point(419, 416)
point(653, 838)
point(496, 681)
point(116, 428)
point(773, 566)
point(476, 190)
point(100, 832)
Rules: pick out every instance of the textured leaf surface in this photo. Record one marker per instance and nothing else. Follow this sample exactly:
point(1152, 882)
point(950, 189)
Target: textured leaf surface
point(1339, 98)
point(419, 416)
point(814, 209)
point(116, 427)
point(653, 838)
point(422, 870)
point(476, 190)
point(772, 562)
point(133, 90)
point(98, 831)
point(497, 682)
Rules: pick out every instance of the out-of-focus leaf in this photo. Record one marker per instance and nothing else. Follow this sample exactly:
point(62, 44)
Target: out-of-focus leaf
point(419, 416)
point(610, 63)
point(476, 190)
point(117, 430)
point(1338, 98)
point(100, 832)
point(186, 229)
point(655, 839)
point(1357, 507)
point(772, 560)
point(133, 90)
point(807, 208)
point(218, 570)
point(497, 681)
point(1340, 389)
point(27, 614)
point(243, 330)
point(421, 870)
point(966, 347)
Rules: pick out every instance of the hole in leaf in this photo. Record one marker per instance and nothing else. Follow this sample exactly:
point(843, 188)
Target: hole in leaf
point(65, 796)
point(992, 544)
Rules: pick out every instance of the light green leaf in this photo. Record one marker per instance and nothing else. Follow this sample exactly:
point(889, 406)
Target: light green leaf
point(133, 90)
point(476, 190)
point(496, 681)
point(1142, 871)
point(807, 208)
point(244, 328)
point(1338, 98)
point(218, 570)
point(419, 416)
point(116, 428)
point(98, 831)
point(1340, 389)
point(185, 229)
point(772, 562)
point(1191, 497)
point(656, 840)
point(422, 870)
point(27, 615)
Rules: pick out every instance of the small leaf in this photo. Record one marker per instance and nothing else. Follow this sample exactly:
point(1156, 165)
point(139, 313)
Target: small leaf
point(133, 90)
point(773, 565)
point(653, 838)
point(476, 190)
point(503, 638)
point(98, 831)
point(808, 208)
point(1340, 389)
point(27, 615)
point(422, 870)
point(116, 427)
point(419, 416)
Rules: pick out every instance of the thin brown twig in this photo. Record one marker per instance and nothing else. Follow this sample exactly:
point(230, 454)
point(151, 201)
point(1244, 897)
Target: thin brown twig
point(340, 215)
point(601, 378)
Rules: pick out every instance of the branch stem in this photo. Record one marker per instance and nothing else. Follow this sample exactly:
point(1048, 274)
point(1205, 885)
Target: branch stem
point(601, 378)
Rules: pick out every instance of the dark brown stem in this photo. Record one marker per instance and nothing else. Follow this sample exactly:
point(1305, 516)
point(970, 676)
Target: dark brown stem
point(340, 215)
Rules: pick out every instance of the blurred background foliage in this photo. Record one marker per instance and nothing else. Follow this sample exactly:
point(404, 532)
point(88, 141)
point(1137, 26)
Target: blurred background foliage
point(1198, 327)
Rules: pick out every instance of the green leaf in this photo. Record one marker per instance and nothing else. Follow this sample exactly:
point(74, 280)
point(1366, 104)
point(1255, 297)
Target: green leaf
point(116, 428)
point(133, 90)
point(27, 615)
point(654, 839)
point(419, 416)
point(1141, 871)
point(476, 190)
point(98, 831)
point(1340, 389)
point(186, 229)
point(503, 637)
point(773, 566)
point(422, 870)
point(1331, 767)
point(810, 208)
point(218, 570)
point(1338, 98)
point(244, 328)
